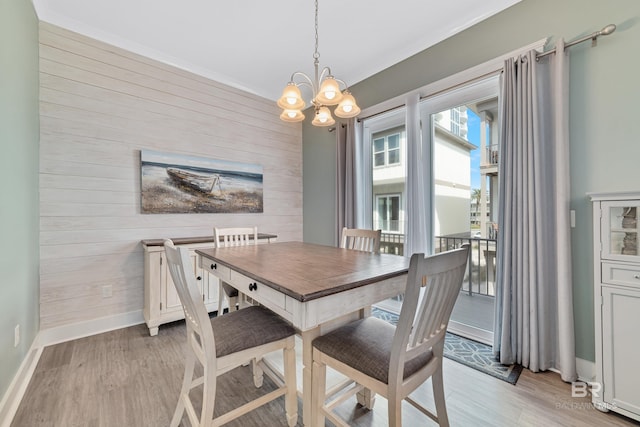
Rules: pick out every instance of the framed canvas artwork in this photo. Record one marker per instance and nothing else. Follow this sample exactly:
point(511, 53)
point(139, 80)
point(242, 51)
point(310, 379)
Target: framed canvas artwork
point(175, 183)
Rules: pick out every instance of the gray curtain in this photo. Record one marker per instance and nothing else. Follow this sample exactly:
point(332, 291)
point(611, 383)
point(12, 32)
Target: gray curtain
point(534, 305)
point(346, 170)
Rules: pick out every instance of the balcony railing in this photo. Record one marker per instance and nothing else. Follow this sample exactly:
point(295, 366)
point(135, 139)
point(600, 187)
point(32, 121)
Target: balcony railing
point(392, 243)
point(492, 155)
point(480, 277)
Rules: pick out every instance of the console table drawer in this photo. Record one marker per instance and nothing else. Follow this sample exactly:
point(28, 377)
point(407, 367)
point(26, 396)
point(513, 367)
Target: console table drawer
point(220, 271)
point(621, 274)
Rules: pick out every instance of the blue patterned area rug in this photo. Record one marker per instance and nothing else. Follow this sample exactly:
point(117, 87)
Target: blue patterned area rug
point(468, 352)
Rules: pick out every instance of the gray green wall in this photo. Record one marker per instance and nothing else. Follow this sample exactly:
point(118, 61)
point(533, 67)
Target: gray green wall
point(604, 91)
point(19, 207)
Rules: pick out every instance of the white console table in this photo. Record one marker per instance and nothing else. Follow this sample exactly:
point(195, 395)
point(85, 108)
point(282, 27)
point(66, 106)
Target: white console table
point(161, 301)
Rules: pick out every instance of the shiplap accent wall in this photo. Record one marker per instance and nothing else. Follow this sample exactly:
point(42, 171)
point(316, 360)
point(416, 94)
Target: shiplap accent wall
point(99, 106)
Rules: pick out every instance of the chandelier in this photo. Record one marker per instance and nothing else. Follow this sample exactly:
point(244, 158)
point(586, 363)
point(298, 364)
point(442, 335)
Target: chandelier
point(326, 92)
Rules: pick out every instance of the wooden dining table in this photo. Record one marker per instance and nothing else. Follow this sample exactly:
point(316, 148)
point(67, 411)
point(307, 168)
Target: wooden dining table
point(315, 287)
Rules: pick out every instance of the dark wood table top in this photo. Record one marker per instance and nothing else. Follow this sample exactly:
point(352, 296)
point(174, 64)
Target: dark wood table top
point(198, 239)
point(307, 271)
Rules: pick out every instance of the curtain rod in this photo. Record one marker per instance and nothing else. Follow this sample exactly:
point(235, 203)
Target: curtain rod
point(593, 37)
point(430, 95)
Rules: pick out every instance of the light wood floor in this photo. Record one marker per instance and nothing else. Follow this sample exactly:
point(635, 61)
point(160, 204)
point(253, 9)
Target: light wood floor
point(127, 378)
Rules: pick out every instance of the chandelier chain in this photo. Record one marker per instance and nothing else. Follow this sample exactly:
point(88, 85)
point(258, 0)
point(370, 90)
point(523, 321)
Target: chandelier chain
point(316, 55)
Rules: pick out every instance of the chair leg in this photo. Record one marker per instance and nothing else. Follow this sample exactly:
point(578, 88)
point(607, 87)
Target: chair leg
point(208, 397)
point(319, 374)
point(291, 397)
point(233, 301)
point(221, 297)
point(258, 373)
point(395, 411)
point(184, 391)
point(438, 396)
point(242, 301)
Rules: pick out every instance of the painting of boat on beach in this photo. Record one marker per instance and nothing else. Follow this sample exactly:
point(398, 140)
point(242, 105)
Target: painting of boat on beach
point(173, 183)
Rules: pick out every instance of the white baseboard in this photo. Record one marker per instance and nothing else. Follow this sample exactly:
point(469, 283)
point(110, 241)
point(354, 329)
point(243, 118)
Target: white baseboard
point(92, 327)
point(13, 396)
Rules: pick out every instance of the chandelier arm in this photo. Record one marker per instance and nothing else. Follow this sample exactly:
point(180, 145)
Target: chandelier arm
point(303, 75)
point(306, 82)
point(326, 71)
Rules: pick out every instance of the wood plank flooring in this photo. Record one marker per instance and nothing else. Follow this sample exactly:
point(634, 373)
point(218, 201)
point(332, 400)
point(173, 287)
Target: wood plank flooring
point(127, 378)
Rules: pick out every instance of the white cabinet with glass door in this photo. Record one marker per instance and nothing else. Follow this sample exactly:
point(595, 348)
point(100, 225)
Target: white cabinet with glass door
point(616, 221)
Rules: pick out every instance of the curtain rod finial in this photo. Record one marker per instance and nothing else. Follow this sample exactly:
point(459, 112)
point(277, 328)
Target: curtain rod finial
point(607, 30)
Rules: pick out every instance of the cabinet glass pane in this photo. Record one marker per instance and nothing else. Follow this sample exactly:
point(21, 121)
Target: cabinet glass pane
point(624, 230)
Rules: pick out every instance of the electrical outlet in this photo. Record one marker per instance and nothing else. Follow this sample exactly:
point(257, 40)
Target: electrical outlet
point(107, 291)
point(16, 336)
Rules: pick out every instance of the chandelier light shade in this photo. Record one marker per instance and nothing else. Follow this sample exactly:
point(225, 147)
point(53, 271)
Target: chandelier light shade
point(291, 98)
point(323, 117)
point(292, 116)
point(325, 89)
point(347, 107)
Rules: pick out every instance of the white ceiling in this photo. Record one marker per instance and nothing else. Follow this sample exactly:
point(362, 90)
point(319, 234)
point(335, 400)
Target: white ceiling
point(256, 45)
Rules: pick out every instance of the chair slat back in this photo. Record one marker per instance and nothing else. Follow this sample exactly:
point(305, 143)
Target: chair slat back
point(361, 239)
point(238, 236)
point(196, 316)
point(423, 319)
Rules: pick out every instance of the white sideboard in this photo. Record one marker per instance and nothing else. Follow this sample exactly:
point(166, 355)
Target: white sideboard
point(161, 301)
point(616, 228)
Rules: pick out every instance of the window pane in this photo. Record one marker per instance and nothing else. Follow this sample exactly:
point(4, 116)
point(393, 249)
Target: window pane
point(393, 141)
point(378, 159)
point(394, 156)
point(378, 145)
point(382, 208)
point(394, 213)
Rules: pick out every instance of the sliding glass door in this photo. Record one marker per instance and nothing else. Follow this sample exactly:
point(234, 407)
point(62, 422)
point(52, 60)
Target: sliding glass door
point(459, 128)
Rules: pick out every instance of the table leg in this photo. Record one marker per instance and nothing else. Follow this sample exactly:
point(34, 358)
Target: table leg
point(307, 363)
point(366, 397)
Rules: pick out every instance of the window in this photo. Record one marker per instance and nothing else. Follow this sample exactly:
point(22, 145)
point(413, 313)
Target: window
point(455, 121)
point(386, 150)
point(387, 213)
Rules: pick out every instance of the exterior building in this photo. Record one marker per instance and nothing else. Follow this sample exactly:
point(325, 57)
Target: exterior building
point(489, 157)
point(452, 176)
point(476, 207)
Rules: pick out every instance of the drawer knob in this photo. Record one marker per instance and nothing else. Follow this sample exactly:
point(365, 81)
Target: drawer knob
point(214, 266)
point(198, 278)
point(637, 276)
point(253, 286)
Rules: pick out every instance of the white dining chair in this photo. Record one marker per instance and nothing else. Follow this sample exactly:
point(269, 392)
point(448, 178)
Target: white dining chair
point(394, 360)
point(224, 343)
point(228, 237)
point(361, 239)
